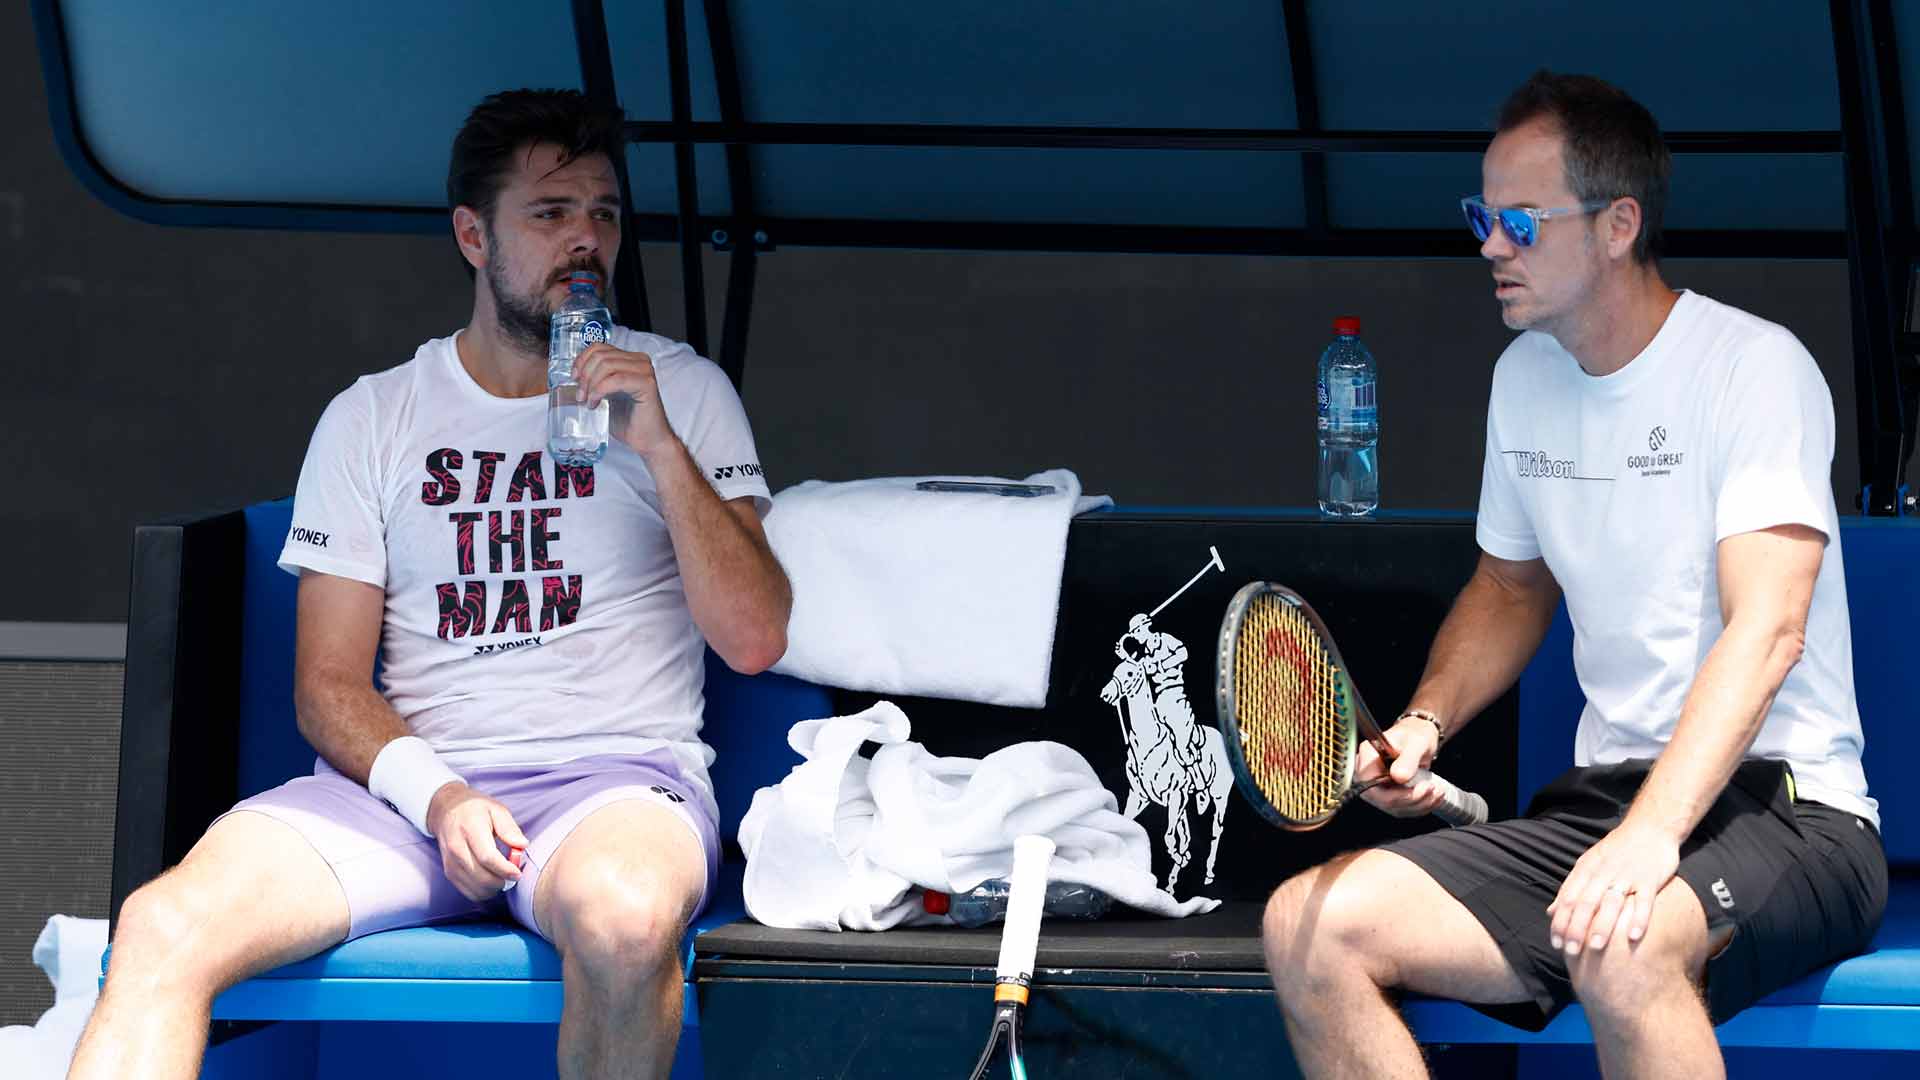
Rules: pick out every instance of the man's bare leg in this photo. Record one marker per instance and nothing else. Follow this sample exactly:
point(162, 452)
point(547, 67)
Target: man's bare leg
point(615, 900)
point(1336, 936)
point(1643, 999)
point(250, 896)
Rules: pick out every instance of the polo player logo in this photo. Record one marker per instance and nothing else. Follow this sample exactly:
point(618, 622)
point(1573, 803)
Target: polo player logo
point(1173, 761)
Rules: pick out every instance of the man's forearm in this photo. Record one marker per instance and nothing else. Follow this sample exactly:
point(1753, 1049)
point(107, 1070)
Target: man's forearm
point(347, 721)
point(1723, 713)
point(735, 588)
point(1488, 636)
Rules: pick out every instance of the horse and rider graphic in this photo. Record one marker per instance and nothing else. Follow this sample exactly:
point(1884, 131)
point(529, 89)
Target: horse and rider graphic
point(1173, 761)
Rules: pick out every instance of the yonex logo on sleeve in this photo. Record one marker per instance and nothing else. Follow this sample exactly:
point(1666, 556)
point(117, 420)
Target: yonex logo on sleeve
point(309, 536)
point(728, 472)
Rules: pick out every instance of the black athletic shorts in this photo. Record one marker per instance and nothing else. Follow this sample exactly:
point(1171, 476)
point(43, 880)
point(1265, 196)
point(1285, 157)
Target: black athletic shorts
point(1802, 884)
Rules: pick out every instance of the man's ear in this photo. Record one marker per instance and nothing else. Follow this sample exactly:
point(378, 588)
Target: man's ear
point(470, 232)
point(1623, 222)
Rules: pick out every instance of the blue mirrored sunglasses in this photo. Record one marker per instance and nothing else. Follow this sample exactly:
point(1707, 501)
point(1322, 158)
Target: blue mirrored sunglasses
point(1520, 223)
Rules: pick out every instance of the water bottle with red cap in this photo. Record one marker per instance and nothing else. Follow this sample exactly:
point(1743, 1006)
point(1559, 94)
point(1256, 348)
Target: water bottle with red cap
point(576, 434)
point(1349, 473)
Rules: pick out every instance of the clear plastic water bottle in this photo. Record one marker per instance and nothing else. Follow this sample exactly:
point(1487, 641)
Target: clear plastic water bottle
point(987, 902)
point(576, 434)
point(1349, 474)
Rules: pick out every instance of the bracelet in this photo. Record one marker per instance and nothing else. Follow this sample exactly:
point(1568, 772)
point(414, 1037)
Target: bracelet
point(406, 774)
point(1439, 729)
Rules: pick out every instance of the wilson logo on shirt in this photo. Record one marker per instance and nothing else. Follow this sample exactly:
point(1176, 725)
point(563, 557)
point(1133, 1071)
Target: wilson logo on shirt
point(1541, 465)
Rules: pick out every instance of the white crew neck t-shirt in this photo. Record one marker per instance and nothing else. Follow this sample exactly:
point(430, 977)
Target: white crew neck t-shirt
point(1626, 483)
point(534, 613)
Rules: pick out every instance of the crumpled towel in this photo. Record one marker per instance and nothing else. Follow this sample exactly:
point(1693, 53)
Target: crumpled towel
point(846, 842)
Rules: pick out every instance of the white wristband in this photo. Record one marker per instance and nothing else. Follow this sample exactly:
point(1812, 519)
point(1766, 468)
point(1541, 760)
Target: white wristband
point(406, 774)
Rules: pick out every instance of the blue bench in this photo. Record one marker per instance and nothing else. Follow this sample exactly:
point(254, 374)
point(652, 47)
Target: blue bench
point(490, 973)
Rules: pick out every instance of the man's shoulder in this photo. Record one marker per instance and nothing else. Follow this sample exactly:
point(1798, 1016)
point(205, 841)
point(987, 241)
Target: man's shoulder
point(399, 380)
point(671, 359)
point(1736, 334)
point(1528, 356)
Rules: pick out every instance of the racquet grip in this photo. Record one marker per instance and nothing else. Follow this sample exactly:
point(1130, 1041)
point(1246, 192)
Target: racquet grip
point(1026, 895)
point(1457, 807)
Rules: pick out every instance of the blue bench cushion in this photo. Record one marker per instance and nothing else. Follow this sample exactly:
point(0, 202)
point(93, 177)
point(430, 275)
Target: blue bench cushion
point(464, 971)
point(1887, 975)
point(476, 950)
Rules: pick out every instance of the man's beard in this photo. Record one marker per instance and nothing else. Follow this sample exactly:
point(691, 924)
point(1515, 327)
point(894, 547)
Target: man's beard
point(526, 321)
point(523, 320)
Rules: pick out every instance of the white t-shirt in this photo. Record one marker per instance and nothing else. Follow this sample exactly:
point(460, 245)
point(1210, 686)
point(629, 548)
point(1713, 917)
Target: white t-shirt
point(1626, 483)
point(534, 613)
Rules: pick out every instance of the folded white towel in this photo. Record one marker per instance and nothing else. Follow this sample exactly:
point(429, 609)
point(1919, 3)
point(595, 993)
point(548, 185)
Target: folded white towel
point(844, 842)
point(937, 594)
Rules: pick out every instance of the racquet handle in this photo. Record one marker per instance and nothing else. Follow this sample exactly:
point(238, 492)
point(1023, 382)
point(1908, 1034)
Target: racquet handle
point(1026, 895)
point(1456, 807)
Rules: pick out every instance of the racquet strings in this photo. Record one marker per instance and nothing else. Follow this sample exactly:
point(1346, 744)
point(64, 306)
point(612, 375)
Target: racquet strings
point(1296, 731)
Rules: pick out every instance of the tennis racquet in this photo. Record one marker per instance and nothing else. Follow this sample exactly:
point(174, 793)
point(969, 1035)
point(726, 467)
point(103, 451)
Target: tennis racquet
point(1291, 717)
point(1019, 942)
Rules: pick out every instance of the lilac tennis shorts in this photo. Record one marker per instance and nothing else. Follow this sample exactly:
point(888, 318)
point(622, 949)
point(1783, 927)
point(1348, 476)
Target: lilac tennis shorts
point(392, 875)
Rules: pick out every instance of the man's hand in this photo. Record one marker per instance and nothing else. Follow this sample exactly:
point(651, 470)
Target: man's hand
point(627, 379)
point(470, 828)
point(1408, 790)
point(1612, 888)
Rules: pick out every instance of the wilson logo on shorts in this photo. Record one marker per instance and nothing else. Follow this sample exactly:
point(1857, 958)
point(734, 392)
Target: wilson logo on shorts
point(1722, 893)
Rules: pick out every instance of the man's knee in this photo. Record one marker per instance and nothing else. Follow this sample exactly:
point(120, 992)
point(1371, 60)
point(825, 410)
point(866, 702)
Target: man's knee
point(155, 937)
point(616, 923)
point(1621, 980)
point(1310, 934)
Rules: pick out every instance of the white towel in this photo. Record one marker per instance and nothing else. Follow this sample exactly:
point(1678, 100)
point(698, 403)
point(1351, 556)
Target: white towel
point(844, 842)
point(68, 950)
point(936, 594)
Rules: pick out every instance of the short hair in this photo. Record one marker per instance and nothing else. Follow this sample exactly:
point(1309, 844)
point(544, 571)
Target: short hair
point(506, 123)
point(1613, 148)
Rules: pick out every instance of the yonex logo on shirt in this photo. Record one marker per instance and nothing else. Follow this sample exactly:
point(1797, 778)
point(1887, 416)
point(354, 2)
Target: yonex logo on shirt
point(728, 472)
point(308, 536)
point(481, 650)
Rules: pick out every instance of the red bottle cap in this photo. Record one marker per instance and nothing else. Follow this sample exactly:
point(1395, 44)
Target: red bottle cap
point(935, 903)
point(1347, 324)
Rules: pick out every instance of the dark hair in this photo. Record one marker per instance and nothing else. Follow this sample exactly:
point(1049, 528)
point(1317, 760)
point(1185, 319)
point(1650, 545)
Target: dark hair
point(1613, 146)
point(508, 122)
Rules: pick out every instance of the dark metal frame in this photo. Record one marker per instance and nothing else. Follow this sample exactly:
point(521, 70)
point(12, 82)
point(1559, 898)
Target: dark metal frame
point(1880, 242)
point(596, 75)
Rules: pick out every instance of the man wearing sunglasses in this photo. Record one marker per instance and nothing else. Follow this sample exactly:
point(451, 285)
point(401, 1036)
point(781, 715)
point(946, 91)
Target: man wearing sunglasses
point(1664, 460)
